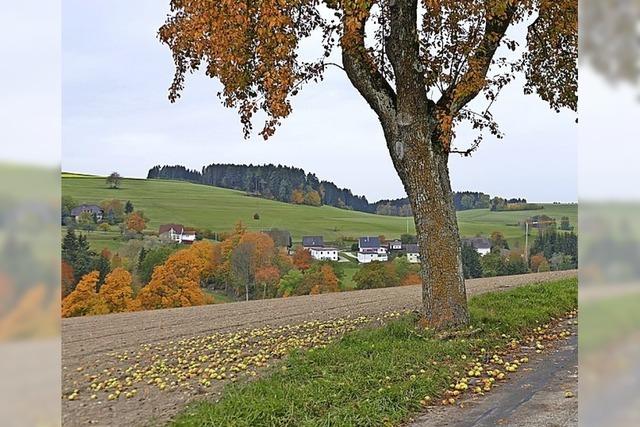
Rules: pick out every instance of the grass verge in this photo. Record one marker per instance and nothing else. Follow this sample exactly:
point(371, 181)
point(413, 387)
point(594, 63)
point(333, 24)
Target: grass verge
point(378, 376)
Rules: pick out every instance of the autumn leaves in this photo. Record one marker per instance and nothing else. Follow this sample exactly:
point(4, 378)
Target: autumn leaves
point(245, 264)
point(176, 283)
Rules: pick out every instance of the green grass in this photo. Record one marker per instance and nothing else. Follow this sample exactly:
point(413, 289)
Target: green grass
point(364, 379)
point(99, 240)
point(218, 209)
point(349, 270)
point(219, 296)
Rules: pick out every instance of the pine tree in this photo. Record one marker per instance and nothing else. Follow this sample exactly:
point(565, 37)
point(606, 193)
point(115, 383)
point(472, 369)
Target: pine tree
point(70, 247)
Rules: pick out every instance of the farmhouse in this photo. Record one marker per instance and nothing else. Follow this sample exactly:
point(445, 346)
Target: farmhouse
point(324, 253)
point(370, 249)
point(312, 242)
point(177, 233)
point(413, 255)
point(482, 245)
point(395, 245)
point(315, 245)
point(91, 209)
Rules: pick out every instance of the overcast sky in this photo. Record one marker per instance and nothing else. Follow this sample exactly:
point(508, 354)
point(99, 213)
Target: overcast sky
point(116, 116)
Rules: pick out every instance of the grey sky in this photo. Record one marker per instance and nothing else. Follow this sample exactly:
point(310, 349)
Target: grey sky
point(116, 116)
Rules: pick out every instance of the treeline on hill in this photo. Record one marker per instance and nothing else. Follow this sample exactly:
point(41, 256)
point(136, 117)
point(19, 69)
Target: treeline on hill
point(500, 204)
point(462, 200)
point(294, 185)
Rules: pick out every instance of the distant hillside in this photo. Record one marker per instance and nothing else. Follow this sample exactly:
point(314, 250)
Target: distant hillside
point(294, 185)
point(217, 209)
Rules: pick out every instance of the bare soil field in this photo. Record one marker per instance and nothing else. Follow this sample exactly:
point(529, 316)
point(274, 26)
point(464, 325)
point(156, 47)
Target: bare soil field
point(161, 360)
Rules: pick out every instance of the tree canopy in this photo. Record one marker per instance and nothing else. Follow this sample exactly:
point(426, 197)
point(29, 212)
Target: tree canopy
point(457, 51)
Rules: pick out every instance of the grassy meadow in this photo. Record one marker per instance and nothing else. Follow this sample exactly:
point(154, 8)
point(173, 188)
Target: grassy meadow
point(202, 206)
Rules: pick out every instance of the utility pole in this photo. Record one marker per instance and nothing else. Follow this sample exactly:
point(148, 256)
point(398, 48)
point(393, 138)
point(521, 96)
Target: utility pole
point(526, 242)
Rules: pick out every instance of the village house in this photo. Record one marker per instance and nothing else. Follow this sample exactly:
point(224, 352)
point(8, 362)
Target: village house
point(370, 249)
point(177, 233)
point(413, 255)
point(312, 242)
point(315, 246)
point(324, 253)
point(395, 245)
point(94, 210)
point(482, 245)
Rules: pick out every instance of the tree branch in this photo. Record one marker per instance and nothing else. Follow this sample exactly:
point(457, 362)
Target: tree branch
point(362, 71)
point(472, 82)
point(403, 50)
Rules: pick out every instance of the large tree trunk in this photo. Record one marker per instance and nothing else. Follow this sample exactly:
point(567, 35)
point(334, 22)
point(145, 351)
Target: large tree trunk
point(425, 175)
point(417, 132)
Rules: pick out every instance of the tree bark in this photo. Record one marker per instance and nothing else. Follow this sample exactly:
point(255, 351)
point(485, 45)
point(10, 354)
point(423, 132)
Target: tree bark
point(426, 181)
point(417, 133)
point(418, 144)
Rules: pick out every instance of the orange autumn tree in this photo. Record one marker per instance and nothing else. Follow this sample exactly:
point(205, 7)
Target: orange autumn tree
point(297, 197)
point(535, 261)
point(66, 278)
point(265, 249)
point(328, 281)
point(318, 280)
point(208, 252)
point(136, 222)
point(106, 253)
point(253, 252)
point(176, 283)
point(226, 249)
point(424, 67)
point(302, 259)
point(84, 299)
point(116, 291)
point(267, 279)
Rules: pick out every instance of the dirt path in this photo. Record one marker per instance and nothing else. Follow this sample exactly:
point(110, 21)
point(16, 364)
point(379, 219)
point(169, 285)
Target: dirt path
point(534, 397)
point(107, 346)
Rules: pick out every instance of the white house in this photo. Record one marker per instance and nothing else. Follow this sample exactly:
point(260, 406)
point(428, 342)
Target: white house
point(413, 255)
point(323, 253)
point(369, 255)
point(178, 233)
point(482, 245)
point(395, 245)
point(370, 249)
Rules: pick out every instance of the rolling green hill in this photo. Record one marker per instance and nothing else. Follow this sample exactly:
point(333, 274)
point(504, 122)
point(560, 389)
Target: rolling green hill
point(218, 209)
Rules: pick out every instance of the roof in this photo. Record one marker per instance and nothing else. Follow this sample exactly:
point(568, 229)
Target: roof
point(369, 242)
point(94, 209)
point(312, 241)
point(411, 248)
point(395, 242)
point(165, 228)
point(478, 242)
